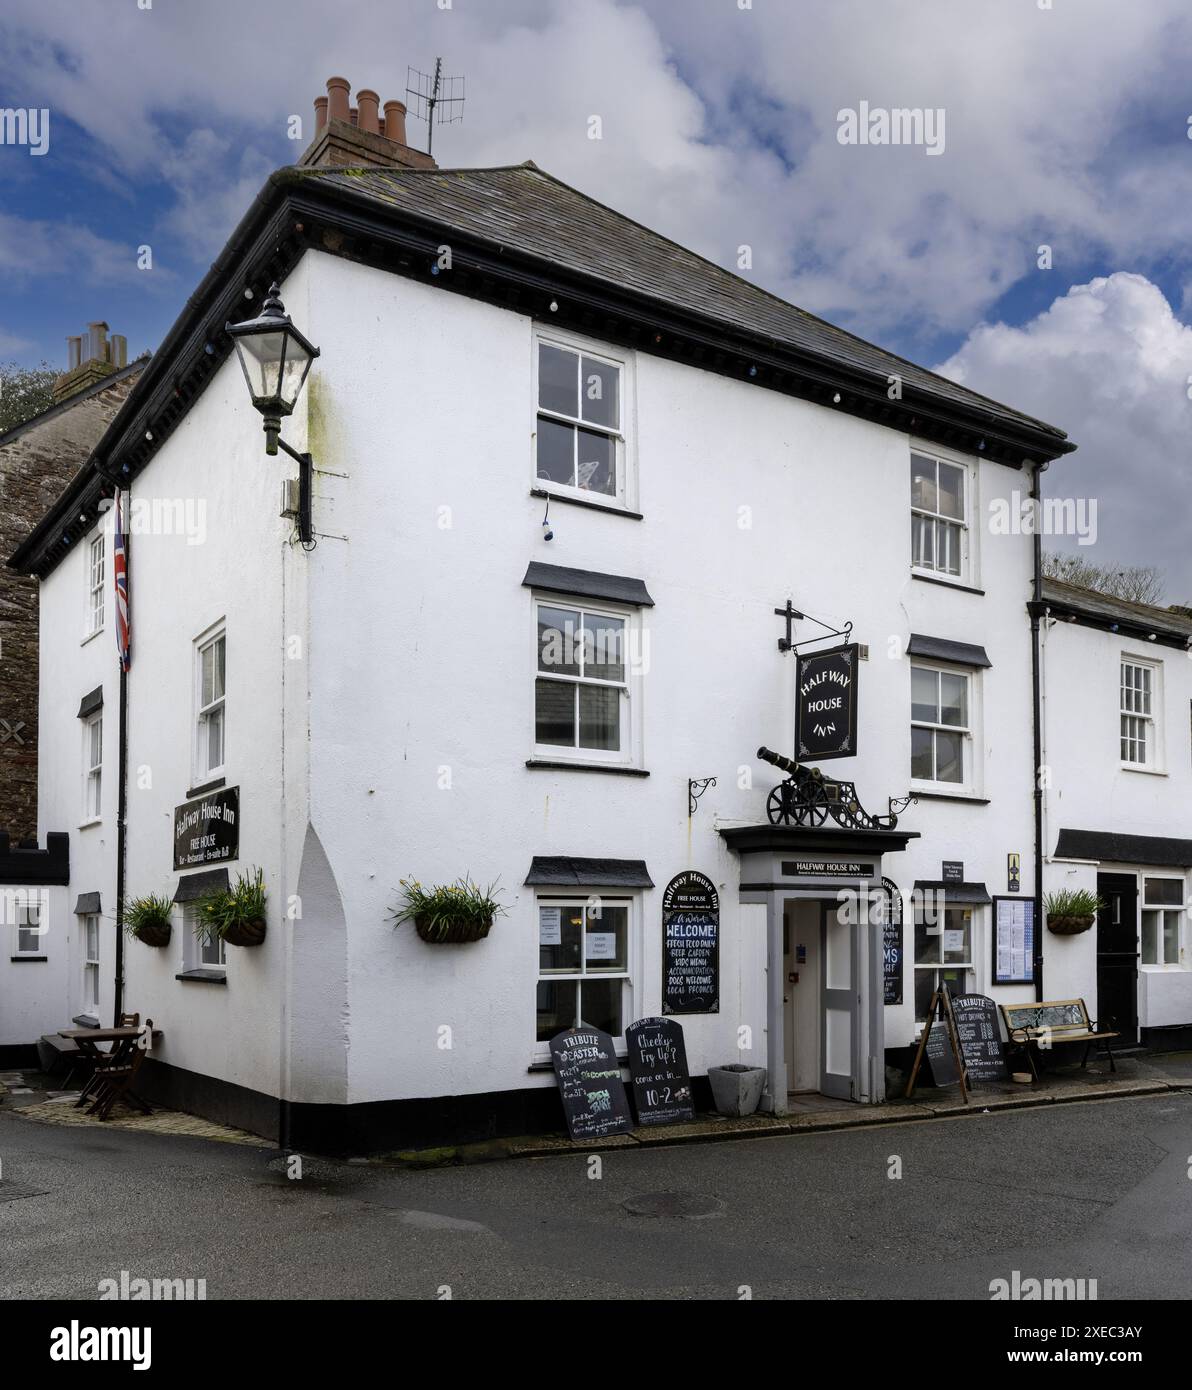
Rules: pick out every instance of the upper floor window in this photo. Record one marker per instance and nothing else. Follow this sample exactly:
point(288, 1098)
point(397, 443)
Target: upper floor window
point(1162, 918)
point(211, 730)
point(95, 571)
point(1138, 703)
point(582, 688)
point(93, 768)
point(941, 726)
point(580, 445)
point(939, 516)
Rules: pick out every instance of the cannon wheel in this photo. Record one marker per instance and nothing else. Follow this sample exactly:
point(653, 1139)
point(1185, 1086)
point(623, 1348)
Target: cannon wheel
point(812, 807)
point(780, 804)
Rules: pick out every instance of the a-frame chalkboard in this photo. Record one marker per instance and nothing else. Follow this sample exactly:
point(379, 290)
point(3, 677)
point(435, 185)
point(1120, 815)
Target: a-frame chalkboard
point(940, 1044)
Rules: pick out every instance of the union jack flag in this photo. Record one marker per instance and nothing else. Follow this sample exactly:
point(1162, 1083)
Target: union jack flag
point(120, 576)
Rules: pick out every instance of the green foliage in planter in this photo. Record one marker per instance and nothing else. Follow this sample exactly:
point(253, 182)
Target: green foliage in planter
point(443, 907)
point(224, 908)
point(151, 911)
point(1072, 903)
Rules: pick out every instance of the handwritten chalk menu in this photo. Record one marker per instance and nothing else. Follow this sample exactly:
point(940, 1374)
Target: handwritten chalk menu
point(1013, 941)
point(690, 945)
point(980, 1037)
point(658, 1071)
point(891, 920)
point(940, 1057)
point(590, 1084)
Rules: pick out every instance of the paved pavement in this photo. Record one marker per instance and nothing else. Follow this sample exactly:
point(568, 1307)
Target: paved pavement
point(1088, 1190)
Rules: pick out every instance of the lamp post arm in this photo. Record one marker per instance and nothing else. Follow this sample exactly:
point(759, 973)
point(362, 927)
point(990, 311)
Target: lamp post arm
point(306, 469)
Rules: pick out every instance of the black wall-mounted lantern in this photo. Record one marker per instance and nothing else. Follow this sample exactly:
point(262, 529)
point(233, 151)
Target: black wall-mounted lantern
point(275, 358)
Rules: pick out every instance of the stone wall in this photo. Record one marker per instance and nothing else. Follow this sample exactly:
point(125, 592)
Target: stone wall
point(36, 462)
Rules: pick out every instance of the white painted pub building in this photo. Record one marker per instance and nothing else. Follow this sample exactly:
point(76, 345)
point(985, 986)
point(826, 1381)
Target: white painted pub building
point(529, 417)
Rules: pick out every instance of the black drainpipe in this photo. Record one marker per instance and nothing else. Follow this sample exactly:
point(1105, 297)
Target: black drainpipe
point(1036, 609)
point(122, 791)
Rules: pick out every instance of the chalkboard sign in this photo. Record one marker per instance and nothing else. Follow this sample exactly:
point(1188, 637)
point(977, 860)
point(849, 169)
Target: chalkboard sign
point(658, 1071)
point(891, 919)
point(590, 1084)
point(980, 1037)
point(940, 1057)
point(690, 945)
point(826, 703)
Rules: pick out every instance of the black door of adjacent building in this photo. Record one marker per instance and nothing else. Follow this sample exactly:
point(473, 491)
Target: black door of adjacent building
point(1117, 955)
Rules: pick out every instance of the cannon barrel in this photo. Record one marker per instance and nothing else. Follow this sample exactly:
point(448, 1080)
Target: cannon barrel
point(778, 760)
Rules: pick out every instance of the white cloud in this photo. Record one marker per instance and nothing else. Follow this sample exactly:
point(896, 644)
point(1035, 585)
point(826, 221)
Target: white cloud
point(1110, 363)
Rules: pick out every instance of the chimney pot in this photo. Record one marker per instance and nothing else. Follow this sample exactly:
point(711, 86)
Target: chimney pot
point(74, 352)
point(395, 121)
point(119, 350)
point(320, 113)
point(367, 106)
point(97, 341)
point(337, 98)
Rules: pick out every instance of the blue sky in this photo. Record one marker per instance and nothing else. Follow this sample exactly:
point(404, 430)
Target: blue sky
point(1066, 124)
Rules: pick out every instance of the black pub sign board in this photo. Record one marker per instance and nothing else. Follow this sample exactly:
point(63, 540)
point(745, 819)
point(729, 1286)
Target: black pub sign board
point(690, 945)
point(207, 830)
point(891, 920)
point(589, 1077)
point(658, 1071)
point(980, 1037)
point(826, 704)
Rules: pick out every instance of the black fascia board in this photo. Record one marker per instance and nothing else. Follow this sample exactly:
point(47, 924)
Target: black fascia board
point(1117, 627)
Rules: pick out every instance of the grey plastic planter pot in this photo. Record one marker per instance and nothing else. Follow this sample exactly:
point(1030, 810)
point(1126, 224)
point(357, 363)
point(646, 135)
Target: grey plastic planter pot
point(737, 1089)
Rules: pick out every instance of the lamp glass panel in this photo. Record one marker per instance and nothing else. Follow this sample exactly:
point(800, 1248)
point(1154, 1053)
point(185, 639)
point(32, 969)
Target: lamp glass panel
point(261, 356)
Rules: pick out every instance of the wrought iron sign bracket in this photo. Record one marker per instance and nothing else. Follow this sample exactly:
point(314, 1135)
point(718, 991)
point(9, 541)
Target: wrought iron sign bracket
point(792, 615)
point(695, 789)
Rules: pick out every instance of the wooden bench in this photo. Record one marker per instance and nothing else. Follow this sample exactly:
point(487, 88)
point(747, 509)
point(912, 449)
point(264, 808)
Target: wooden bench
point(1046, 1024)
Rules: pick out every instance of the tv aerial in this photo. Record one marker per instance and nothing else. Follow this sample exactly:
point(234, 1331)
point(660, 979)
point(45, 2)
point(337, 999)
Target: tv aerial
point(434, 98)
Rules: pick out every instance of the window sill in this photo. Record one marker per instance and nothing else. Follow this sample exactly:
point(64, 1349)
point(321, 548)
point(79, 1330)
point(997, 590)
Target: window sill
point(616, 508)
point(204, 787)
point(91, 636)
point(563, 765)
point(1147, 771)
point(934, 793)
point(16, 959)
point(1162, 969)
point(87, 824)
point(928, 578)
point(203, 977)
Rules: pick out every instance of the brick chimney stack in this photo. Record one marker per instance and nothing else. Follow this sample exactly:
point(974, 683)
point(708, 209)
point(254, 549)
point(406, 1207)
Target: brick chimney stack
point(354, 137)
point(90, 357)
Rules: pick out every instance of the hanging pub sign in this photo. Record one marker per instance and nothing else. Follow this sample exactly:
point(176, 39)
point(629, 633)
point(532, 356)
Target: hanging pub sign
point(891, 920)
point(690, 945)
point(658, 1071)
point(589, 1077)
point(207, 830)
point(826, 704)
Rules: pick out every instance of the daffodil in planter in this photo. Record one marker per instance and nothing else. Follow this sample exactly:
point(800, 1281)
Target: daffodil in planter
point(236, 914)
point(149, 919)
point(454, 912)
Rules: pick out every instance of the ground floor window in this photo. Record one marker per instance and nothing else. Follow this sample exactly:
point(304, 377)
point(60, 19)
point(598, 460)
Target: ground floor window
point(943, 954)
point(1162, 919)
point(26, 918)
point(199, 953)
point(91, 964)
point(583, 965)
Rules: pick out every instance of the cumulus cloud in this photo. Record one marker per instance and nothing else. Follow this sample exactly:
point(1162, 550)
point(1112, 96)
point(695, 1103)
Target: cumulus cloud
point(1110, 363)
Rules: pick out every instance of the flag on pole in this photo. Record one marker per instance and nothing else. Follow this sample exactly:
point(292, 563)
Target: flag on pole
point(120, 576)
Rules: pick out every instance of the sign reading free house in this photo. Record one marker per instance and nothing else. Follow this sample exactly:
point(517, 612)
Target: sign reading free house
point(826, 704)
point(207, 830)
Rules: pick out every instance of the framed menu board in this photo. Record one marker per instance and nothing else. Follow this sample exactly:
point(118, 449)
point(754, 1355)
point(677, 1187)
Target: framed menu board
point(1014, 927)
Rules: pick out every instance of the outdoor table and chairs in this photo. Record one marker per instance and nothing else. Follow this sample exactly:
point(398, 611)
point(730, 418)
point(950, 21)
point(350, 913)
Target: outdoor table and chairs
point(116, 1069)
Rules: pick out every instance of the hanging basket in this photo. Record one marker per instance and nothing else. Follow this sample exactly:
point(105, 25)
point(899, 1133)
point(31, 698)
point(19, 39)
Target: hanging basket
point(246, 933)
point(1070, 926)
point(154, 934)
point(457, 929)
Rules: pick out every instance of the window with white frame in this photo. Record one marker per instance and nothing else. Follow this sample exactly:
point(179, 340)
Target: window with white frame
point(211, 731)
point(941, 726)
point(943, 953)
point(939, 516)
point(95, 590)
point(1138, 703)
point(581, 689)
point(1162, 920)
point(91, 964)
point(93, 767)
point(26, 910)
point(580, 444)
point(583, 965)
point(199, 951)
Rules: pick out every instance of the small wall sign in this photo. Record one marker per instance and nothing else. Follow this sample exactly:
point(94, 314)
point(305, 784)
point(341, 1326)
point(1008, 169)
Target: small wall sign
point(891, 943)
point(952, 871)
point(1013, 873)
point(207, 830)
point(826, 703)
point(826, 868)
point(690, 945)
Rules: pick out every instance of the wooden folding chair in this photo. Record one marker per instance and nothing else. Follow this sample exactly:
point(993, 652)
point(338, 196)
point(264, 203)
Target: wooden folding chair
point(102, 1060)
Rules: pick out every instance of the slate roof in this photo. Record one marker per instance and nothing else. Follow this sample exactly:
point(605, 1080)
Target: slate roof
point(1107, 610)
point(525, 209)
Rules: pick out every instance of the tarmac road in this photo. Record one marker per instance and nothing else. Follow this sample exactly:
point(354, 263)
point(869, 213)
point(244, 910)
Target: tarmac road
point(1098, 1190)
